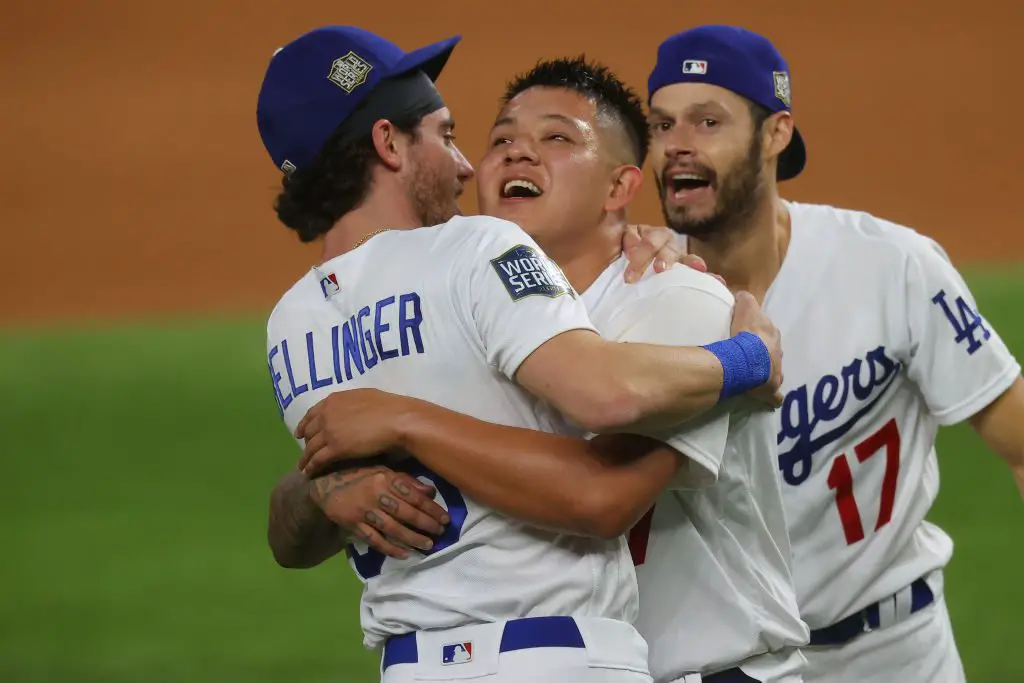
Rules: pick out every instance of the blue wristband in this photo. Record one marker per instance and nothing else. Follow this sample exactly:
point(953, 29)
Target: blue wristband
point(746, 363)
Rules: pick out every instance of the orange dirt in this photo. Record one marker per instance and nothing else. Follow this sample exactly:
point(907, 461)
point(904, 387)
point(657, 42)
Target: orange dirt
point(135, 180)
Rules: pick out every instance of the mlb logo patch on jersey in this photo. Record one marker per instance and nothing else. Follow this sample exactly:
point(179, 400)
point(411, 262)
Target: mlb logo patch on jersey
point(695, 66)
point(525, 272)
point(457, 653)
point(329, 285)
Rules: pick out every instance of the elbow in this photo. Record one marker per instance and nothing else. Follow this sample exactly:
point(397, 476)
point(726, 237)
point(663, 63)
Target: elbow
point(285, 555)
point(289, 553)
point(292, 558)
point(600, 514)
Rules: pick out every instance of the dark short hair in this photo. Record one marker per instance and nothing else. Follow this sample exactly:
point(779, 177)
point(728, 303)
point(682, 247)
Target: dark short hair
point(597, 83)
point(314, 197)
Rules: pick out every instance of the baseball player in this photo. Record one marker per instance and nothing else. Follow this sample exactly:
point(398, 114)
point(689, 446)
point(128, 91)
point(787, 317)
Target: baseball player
point(472, 315)
point(713, 558)
point(884, 343)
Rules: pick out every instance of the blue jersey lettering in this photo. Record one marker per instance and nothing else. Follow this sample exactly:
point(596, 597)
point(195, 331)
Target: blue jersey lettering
point(353, 344)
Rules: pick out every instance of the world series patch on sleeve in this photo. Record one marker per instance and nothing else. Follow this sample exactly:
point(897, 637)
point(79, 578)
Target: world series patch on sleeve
point(525, 272)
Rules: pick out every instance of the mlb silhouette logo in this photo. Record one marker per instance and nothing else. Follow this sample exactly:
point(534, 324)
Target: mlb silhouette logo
point(457, 653)
point(695, 66)
point(329, 285)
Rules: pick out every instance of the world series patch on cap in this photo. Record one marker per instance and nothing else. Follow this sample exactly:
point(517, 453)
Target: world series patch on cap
point(738, 60)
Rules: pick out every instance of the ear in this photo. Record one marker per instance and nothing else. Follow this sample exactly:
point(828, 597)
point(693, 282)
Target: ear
point(389, 143)
point(626, 182)
point(778, 131)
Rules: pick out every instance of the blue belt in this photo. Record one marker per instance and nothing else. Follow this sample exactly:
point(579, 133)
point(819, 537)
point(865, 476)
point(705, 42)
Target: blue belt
point(518, 634)
point(867, 619)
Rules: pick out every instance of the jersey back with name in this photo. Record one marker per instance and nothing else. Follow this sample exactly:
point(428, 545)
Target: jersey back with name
point(713, 555)
point(446, 314)
point(883, 343)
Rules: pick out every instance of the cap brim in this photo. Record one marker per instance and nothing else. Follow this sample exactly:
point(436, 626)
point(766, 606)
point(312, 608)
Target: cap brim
point(793, 158)
point(430, 59)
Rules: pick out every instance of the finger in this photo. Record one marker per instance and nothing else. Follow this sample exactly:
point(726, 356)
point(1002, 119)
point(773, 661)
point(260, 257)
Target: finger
point(669, 255)
point(371, 537)
point(300, 428)
point(718, 277)
point(639, 258)
point(746, 298)
point(404, 485)
point(313, 424)
point(695, 262)
point(410, 514)
point(319, 460)
point(631, 237)
point(422, 500)
point(394, 531)
point(314, 443)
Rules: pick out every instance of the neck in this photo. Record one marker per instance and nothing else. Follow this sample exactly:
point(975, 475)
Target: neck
point(377, 212)
point(749, 256)
point(585, 254)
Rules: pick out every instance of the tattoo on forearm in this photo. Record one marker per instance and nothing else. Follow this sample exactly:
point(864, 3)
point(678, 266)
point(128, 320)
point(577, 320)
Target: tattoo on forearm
point(298, 531)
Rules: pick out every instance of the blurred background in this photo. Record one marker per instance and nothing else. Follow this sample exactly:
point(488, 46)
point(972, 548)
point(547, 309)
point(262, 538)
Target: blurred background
point(138, 433)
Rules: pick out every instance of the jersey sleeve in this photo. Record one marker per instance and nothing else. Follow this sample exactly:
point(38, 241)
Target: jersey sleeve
point(516, 297)
point(687, 316)
point(956, 359)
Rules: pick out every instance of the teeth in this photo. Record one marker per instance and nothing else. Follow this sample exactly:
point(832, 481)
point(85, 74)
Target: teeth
point(686, 176)
point(525, 184)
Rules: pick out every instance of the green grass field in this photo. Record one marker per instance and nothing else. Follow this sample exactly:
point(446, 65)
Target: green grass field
point(136, 467)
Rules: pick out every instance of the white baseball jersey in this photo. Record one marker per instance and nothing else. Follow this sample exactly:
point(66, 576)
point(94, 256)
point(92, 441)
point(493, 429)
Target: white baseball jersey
point(882, 343)
point(713, 559)
point(447, 314)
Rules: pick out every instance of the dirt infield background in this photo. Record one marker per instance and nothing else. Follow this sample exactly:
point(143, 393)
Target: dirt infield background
point(134, 178)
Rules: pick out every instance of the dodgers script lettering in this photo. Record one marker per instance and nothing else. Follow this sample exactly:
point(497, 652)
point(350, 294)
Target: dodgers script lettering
point(803, 410)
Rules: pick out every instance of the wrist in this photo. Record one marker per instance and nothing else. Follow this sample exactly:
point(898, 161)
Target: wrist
point(410, 421)
point(746, 363)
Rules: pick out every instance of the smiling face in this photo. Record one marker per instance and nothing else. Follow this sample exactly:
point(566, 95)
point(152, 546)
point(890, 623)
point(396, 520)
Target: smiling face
point(707, 157)
point(545, 167)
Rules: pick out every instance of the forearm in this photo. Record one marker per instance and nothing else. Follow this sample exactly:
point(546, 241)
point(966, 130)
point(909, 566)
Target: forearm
point(592, 488)
point(1001, 426)
point(662, 386)
point(299, 534)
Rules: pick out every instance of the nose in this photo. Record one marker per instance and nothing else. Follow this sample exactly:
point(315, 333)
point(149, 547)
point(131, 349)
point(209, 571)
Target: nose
point(463, 169)
point(520, 149)
point(679, 142)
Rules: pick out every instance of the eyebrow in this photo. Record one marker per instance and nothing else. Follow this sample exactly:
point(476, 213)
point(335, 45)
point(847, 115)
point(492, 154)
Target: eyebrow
point(509, 120)
point(697, 106)
point(448, 123)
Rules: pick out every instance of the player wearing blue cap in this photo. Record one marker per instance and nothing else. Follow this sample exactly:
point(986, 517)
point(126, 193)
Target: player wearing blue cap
point(468, 313)
point(884, 343)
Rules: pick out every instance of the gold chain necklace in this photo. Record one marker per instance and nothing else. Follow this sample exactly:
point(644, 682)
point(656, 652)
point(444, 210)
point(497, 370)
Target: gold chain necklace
point(372, 234)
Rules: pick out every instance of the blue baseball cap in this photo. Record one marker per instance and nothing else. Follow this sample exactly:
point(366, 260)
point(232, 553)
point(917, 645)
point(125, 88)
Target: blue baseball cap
point(738, 60)
point(315, 83)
